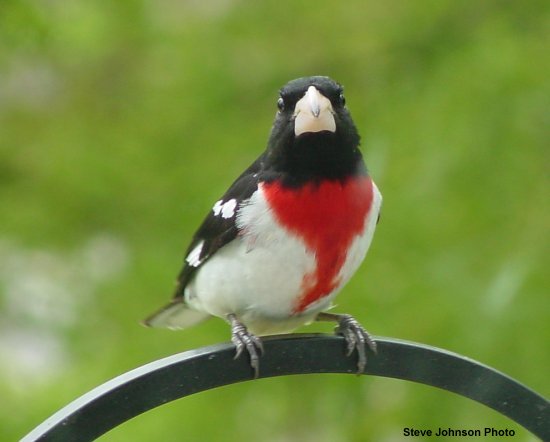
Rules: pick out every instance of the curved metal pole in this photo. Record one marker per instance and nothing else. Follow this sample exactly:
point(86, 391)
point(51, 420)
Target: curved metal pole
point(165, 380)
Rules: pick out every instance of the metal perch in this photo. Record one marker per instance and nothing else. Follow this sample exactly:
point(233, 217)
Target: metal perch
point(165, 380)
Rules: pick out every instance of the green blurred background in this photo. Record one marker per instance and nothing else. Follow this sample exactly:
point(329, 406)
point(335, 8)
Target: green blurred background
point(122, 122)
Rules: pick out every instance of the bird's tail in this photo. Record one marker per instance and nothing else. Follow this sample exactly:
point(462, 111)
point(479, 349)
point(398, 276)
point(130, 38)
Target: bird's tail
point(175, 315)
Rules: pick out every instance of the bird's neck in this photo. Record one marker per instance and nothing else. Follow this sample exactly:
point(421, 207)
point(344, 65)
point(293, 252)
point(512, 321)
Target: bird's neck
point(316, 157)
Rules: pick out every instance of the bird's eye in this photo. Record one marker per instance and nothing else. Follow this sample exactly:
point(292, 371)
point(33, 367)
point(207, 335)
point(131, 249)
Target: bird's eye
point(342, 100)
point(281, 104)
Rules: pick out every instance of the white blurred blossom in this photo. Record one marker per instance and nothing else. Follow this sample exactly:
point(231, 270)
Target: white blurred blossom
point(43, 293)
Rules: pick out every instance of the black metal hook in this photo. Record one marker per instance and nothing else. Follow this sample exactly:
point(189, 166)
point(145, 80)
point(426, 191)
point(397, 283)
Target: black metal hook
point(165, 380)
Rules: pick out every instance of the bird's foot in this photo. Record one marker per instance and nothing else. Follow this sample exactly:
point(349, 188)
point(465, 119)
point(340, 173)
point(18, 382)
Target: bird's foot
point(243, 339)
point(355, 335)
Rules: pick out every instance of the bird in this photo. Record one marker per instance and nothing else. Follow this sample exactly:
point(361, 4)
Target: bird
point(288, 234)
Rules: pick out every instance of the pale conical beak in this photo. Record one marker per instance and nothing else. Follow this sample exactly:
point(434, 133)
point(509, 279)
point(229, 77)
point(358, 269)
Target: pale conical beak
point(313, 113)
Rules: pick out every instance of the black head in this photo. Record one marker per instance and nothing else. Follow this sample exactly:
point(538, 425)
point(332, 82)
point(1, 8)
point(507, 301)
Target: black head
point(313, 136)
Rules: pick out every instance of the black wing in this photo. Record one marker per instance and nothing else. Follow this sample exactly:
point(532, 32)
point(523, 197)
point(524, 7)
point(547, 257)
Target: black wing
point(219, 227)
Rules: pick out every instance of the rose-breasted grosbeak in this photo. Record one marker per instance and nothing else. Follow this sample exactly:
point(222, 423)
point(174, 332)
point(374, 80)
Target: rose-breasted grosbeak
point(289, 233)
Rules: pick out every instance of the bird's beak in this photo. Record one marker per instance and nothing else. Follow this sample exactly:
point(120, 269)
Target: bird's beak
point(313, 113)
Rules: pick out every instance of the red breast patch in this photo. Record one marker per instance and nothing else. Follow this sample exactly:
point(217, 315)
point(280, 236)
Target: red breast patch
point(327, 216)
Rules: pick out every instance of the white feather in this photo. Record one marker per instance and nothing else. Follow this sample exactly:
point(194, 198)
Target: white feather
point(193, 259)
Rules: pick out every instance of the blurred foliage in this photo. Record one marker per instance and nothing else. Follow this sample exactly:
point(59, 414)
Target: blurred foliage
point(121, 123)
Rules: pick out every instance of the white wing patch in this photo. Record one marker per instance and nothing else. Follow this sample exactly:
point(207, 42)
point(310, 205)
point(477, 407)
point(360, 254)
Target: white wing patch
point(193, 259)
point(226, 210)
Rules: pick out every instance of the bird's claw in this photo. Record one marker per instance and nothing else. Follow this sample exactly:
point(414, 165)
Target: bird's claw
point(356, 338)
point(243, 339)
